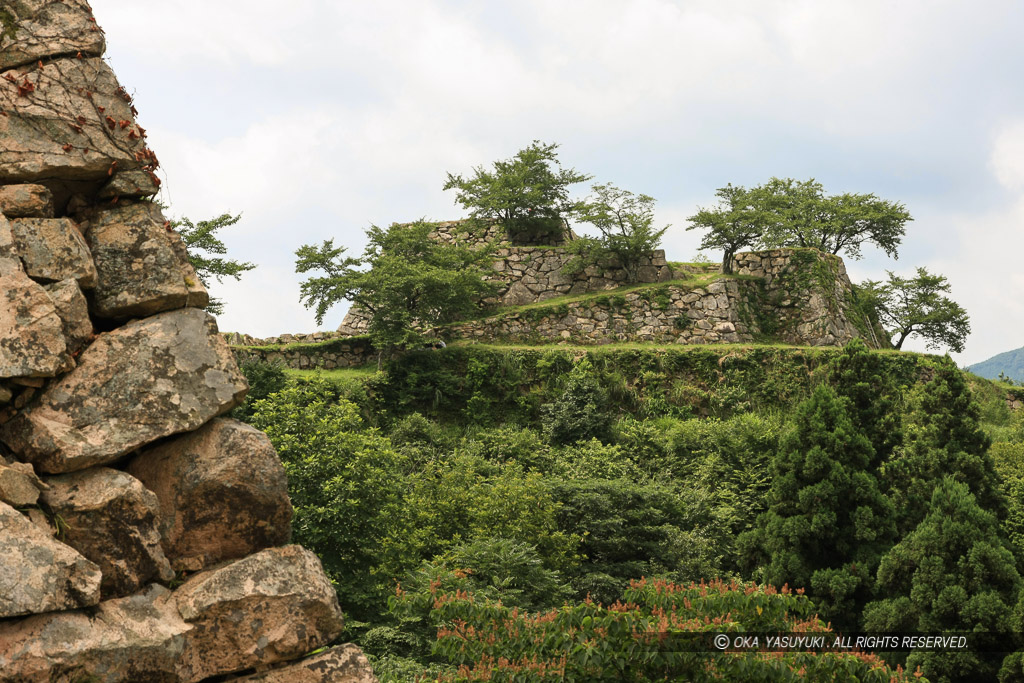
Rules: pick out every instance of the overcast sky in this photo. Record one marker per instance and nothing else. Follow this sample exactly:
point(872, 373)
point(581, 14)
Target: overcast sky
point(317, 118)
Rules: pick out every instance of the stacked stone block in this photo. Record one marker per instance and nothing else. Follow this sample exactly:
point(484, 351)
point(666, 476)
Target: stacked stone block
point(528, 274)
point(142, 537)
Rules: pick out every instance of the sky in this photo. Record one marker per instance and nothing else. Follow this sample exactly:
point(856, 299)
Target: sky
point(315, 119)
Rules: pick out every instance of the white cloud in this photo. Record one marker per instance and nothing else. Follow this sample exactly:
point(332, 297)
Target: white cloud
point(1007, 160)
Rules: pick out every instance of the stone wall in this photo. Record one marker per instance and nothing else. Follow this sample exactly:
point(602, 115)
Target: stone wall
point(789, 295)
point(142, 536)
point(325, 350)
point(669, 315)
point(806, 298)
point(796, 296)
point(527, 274)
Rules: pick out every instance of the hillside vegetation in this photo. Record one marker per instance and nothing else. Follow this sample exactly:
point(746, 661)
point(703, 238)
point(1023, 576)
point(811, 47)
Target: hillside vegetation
point(488, 512)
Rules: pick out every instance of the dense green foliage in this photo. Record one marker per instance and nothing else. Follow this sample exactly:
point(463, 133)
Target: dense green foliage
point(206, 253)
point(528, 194)
point(658, 631)
point(800, 214)
point(827, 522)
point(915, 307)
point(797, 213)
point(626, 223)
point(405, 281)
point(554, 479)
point(737, 222)
point(943, 437)
point(953, 573)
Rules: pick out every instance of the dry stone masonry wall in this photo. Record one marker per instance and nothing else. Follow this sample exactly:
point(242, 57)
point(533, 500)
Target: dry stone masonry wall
point(143, 537)
point(326, 350)
point(527, 274)
point(791, 295)
point(796, 296)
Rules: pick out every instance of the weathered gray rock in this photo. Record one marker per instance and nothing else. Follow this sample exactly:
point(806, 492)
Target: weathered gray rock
point(273, 606)
point(131, 183)
point(39, 574)
point(341, 664)
point(67, 120)
point(113, 520)
point(518, 294)
point(143, 267)
point(269, 608)
point(53, 249)
point(26, 201)
point(31, 334)
point(128, 640)
point(19, 485)
point(222, 490)
point(73, 310)
point(34, 29)
point(146, 380)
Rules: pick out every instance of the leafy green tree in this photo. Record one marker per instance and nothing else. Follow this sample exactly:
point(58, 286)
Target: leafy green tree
point(797, 213)
point(457, 497)
point(528, 194)
point(346, 485)
point(915, 307)
point(800, 214)
point(206, 253)
point(952, 573)
point(406, 281)
point(626, 223)
point(827, 522)
point(736, 222)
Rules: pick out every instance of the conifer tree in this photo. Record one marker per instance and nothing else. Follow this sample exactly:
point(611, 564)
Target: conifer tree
point(827, 523)
point(858, 376)
point(952, 573)
point(942, 437)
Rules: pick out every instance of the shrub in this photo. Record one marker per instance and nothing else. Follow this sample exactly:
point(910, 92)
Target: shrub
point(581, 412)
point(264, 379)
point(625, 641)
point(345, 482)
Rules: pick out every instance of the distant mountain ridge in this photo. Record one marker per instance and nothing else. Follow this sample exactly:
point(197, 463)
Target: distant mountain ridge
point(1010, 363)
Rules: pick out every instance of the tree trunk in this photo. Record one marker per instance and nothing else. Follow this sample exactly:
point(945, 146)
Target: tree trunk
point(727, 263)
point(903, 335)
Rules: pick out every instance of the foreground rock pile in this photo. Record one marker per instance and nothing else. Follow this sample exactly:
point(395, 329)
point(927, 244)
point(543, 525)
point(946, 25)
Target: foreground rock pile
point(142, 536)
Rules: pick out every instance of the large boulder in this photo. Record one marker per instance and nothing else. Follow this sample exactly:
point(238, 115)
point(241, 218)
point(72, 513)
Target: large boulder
point(223, 493)
point(272, 606)
point(26, 201)
point(112, 519)
point(53, 249)
point(127, 640)
point(144, 381)
point(341, 664)
point(19, 485)
point(31, 333)
point(143, 267)
point(33, 29)
point(131, 183)
point(67, 120)
point(39, 574)
point(73, 310)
